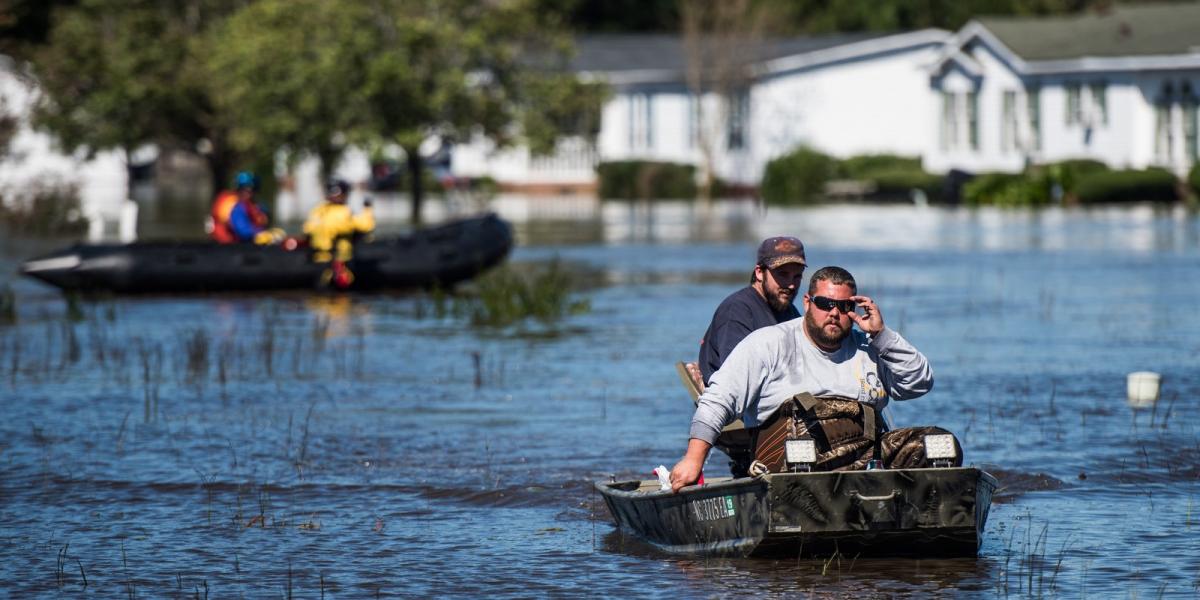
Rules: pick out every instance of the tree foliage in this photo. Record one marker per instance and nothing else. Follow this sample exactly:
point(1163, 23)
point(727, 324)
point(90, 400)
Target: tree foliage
point(120, 74)
point(790, 17)
point(285, 73)
point(249, 80)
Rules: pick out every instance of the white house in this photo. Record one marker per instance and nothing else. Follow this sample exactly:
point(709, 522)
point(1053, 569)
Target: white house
point(1120, 86)
point(33, 163)
point(844, 94)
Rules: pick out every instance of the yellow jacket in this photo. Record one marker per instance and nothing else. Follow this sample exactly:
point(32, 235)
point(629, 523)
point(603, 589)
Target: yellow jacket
point(328, 222)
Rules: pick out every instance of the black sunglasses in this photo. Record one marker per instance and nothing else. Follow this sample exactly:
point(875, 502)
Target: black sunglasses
point(827, 304)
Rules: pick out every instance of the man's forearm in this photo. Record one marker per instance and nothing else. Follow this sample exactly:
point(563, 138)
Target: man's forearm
point(697, 450)
point(687, 470)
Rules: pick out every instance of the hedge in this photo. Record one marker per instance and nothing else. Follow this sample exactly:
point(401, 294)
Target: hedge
point(901, 182)
point(1067, 173)
point(1155, 185)
point(867, 166)
point(641, 179)
point(797, 177)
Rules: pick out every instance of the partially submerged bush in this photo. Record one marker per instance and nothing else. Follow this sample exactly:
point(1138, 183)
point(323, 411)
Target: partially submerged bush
point(1194, 179)
point(798, 177)
point(801, 177)
point(1149, 185)
point(49, 208)
point(505, 296)
point(901, 182)
point(643, 179)
point(1007, 189)
point(869, 166)
point(1065, 175)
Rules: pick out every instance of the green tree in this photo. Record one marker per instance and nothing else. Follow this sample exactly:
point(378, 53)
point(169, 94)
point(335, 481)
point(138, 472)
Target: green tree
point(460, 68)
point(289, 74)
point(123, 73)
point(24, 24)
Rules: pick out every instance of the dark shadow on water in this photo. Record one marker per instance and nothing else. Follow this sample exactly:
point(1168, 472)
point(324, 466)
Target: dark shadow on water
point(1014, 484)
point(836, 576)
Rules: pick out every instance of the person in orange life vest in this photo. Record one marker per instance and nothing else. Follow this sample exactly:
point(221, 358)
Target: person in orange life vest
point(331, 225)
point(235, 215)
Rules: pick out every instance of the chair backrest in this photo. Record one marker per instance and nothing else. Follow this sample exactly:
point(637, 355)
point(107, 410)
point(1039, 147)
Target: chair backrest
point(689, 373)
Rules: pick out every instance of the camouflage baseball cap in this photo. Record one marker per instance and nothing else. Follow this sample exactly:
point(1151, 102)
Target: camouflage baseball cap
point(781, 250)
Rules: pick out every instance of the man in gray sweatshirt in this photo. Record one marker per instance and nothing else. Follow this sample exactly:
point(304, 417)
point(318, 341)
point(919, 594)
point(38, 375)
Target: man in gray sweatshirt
point(820, 354)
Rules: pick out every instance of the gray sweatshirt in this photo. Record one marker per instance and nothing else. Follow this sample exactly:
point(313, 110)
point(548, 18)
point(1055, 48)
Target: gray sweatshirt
point(775, 363)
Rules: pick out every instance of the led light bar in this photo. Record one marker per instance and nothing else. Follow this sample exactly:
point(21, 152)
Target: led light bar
point(940, 446)
point(800, 452)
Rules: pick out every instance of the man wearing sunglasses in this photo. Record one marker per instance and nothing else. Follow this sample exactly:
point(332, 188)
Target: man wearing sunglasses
point(768, 300)
point(820, 354)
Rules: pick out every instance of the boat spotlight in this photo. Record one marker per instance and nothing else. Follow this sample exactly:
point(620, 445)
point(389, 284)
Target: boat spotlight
point(800, 455)
point(939, 449)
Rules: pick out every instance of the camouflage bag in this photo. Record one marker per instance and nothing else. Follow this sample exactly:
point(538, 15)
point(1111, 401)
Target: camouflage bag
point(847, 433)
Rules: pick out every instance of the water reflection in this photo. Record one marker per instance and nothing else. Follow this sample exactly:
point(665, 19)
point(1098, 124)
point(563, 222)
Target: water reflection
point(574, 220)
point(441, 459)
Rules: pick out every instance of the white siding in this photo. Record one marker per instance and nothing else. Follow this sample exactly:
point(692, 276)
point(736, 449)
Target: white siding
point(873, 105)
point(1125, 139)
point(34, 160)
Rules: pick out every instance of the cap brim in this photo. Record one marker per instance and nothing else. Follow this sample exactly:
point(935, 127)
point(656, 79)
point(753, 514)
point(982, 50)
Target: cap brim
point(779, 261)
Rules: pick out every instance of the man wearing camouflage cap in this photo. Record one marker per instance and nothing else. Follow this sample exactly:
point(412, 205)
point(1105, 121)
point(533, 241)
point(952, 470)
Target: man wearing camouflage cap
point(766, 301)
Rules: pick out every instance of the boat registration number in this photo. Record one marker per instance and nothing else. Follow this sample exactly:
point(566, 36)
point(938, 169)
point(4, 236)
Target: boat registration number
point(711, 509)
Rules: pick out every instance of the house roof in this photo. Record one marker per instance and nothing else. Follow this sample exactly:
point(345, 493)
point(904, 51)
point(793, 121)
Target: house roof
point(1123, 31)
point(646, 58)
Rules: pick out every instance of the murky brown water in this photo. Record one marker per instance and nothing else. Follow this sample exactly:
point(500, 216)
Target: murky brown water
point(338, 446)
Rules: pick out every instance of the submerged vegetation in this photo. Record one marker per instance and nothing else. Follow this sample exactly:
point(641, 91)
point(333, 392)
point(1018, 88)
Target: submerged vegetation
point(329, 344)
point(8, 306)
point(47, 209)
point(806, 175)
point(507, 295)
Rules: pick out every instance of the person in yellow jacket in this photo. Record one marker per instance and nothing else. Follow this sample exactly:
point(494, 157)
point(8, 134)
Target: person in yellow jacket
point(332, 228)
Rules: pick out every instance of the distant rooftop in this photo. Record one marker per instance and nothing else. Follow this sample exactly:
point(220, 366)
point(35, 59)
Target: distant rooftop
point(614, 53)
point(1137, 30)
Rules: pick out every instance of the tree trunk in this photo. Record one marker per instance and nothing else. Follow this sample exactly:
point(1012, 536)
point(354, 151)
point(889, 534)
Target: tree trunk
point(128, 172)
point(220, 168)
point(416, 166)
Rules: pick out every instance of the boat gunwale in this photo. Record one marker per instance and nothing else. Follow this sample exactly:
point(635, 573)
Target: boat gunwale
point(608, 488)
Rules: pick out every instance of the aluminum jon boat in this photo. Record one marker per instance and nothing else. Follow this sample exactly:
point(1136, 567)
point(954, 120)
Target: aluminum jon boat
point(435, 257)
point(934, 512)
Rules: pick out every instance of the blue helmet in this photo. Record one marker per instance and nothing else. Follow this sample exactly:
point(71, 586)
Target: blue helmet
point(246, 179)
point(337, 187)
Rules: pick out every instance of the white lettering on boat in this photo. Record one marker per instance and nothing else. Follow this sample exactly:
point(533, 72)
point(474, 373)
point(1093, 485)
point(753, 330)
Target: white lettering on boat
point(711, 509)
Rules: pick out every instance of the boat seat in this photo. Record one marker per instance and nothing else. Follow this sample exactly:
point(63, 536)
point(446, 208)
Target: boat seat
point(693, 380)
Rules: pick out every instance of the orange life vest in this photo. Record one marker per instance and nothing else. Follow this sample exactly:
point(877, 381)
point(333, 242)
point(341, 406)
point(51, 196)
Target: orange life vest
point(221, 208)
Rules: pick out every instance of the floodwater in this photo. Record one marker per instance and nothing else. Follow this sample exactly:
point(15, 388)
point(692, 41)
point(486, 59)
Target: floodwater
point(313, 446)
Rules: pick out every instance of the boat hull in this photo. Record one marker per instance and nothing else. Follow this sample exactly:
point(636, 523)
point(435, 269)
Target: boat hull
point(903, 512)
point(435, 257)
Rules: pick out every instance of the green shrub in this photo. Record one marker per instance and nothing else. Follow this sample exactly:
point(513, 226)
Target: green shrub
point(1008, 189)
point(986, 187)
point(1154, 185)
point(505, 296)
point(641, 179)
point(1194, 179)
point(798, 177)
point(867, 166)
point(1067, 173)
